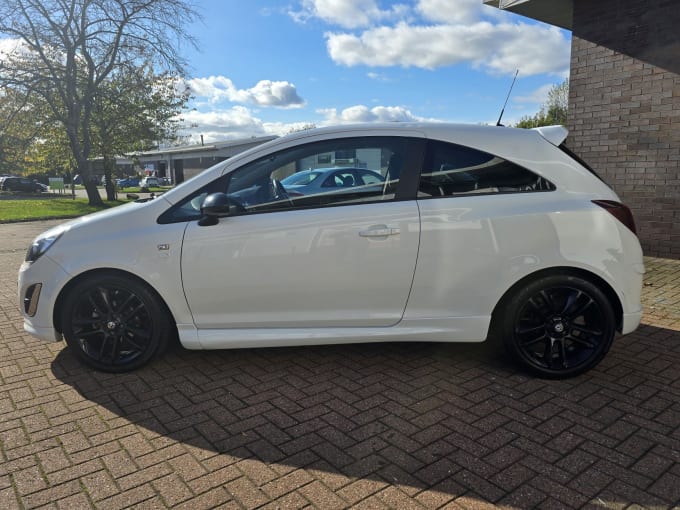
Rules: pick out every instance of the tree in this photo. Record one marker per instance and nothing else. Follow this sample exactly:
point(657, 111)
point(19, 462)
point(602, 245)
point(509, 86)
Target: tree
point(553, 111)
point(135, 109)
point(68, 49)
point(303, 127)
point(21, 125)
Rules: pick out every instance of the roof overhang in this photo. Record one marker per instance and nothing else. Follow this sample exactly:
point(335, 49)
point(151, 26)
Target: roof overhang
point(555, 12)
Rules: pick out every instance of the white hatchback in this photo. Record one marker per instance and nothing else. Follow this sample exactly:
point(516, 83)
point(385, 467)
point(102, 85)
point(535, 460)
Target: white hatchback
point(475, 232)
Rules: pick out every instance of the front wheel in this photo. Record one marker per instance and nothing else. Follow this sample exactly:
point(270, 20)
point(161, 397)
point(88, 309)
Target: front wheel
point(114, 323)
point(558, 326)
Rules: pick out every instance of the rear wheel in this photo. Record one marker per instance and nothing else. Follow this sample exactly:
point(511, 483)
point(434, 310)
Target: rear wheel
point(114, 323)
point(558, 326)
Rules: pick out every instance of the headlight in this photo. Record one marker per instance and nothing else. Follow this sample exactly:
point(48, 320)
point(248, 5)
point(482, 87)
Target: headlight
point(43, 242)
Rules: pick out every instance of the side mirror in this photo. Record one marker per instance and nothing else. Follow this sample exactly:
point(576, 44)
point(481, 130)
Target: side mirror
point(215, 206)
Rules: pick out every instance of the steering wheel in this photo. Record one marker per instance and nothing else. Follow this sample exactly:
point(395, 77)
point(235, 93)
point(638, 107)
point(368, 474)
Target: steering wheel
point(279, 192)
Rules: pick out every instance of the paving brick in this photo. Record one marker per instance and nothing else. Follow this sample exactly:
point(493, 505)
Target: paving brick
point(9, 500)
point(363, 426)
point(246, 493)
point(287, 483)
point(667, 487)
point(213, 479)
point(131, 498)
point(77, 501)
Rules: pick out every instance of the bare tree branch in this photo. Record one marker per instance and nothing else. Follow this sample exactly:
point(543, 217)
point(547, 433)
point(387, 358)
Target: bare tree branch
point(70, 49)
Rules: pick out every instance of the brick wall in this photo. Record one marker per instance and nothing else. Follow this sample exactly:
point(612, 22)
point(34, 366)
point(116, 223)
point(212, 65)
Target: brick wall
point(624, 112)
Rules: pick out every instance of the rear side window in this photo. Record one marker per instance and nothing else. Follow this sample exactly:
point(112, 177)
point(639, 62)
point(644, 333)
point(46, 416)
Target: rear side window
point(451, 169)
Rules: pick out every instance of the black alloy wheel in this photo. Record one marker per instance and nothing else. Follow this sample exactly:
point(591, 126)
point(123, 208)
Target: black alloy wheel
point(559, 326)
point(114, 323)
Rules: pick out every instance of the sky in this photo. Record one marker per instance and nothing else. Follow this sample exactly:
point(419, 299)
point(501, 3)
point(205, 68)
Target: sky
point(267, 67)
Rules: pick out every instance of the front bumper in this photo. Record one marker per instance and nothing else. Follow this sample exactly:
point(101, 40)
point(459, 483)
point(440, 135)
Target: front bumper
point(39, 285)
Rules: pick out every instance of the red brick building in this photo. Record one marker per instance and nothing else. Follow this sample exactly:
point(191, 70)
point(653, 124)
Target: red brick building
point(624, 102)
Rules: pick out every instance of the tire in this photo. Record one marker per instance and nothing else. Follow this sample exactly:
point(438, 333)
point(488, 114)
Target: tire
point(114, 323)
point(558, 326)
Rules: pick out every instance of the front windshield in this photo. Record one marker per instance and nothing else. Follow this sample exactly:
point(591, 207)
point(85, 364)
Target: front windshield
point(300, 178)
point(178, 192)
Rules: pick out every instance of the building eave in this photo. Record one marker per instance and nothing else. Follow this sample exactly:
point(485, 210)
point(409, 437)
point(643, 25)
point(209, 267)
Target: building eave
point(554, 12)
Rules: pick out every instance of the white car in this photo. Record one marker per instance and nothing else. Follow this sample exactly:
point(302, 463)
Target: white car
point(476, 232)
point(150, 182)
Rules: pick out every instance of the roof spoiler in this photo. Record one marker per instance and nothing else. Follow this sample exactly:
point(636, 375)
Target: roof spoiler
point(554, 134)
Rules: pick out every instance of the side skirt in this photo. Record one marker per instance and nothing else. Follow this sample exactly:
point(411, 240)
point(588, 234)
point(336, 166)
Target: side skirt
point(450, 329)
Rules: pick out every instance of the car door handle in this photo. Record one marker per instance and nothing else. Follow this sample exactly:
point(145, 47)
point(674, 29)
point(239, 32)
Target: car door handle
point(379, 231)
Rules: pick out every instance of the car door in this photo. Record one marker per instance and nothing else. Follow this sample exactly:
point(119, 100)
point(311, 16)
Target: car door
point(327, 260)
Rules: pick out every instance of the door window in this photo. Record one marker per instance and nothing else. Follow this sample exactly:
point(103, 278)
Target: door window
point(328, 173)
point(325, 173)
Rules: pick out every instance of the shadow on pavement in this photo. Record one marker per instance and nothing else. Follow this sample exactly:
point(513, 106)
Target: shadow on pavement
point(454, 418)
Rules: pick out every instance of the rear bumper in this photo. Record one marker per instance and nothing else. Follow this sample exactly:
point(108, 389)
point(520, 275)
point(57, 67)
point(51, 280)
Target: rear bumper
point(631, 321)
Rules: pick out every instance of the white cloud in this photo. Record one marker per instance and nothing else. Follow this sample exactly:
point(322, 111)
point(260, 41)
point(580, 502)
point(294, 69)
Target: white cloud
point(241, 122)
point(233, 123)
point(11, 47)
point(538, 96)
point(435, 33)
point(362, 113)
point(497, 48)
point(377, 76)
point(279, 94)
point(346, 13)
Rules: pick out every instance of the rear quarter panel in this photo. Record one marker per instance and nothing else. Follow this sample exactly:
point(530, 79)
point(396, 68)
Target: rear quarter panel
point(474, 248)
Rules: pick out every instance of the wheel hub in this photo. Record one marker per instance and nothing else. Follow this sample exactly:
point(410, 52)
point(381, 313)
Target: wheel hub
point(557, 327)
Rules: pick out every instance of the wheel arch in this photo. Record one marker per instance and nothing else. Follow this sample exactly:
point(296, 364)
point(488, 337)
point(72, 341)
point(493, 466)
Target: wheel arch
point(56, 314)
point(595, 279)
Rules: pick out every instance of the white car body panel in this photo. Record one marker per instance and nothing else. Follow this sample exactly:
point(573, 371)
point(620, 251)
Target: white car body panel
point(118, 246)
point(473, 249)
point(304, 268)
point(439, 277)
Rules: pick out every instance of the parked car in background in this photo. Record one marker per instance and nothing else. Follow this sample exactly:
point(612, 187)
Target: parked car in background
point(22, 184)
point(149, 182)
point(128, 182)
point(323, 180)
point(476, 232)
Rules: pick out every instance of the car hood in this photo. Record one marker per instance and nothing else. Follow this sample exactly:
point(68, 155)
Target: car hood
point(97, 219)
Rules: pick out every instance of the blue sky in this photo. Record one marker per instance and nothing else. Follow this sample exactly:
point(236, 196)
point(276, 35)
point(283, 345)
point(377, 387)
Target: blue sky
point(270, 66)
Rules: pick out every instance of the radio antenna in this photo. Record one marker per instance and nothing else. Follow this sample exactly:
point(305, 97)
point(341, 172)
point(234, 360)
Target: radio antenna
point(506, 99)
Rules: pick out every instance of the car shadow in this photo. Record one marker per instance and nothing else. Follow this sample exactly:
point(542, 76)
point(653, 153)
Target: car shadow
point(456, 418)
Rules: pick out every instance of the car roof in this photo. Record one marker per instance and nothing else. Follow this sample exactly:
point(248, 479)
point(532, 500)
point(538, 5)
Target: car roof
point(434, 128)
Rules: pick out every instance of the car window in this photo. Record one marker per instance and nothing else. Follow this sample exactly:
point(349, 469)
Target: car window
point(451, 169)
point(339, 179)
point(189, 208)
point(261, 185)
point(300, 179)
point(370, 177)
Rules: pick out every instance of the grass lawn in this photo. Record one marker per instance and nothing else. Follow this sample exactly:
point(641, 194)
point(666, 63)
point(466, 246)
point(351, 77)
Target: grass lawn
point(48, 208)
point(137, 189)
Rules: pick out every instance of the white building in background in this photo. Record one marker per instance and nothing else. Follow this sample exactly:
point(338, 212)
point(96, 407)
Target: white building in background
point(181, 163)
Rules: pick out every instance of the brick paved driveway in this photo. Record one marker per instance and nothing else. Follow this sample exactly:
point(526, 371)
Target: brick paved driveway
point(375, 426)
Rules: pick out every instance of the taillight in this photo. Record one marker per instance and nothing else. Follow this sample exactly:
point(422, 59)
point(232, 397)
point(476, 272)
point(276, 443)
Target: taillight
point(619, 211)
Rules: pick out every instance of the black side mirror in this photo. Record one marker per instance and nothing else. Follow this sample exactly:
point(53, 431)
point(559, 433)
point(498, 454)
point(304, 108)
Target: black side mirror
point(215, 206)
